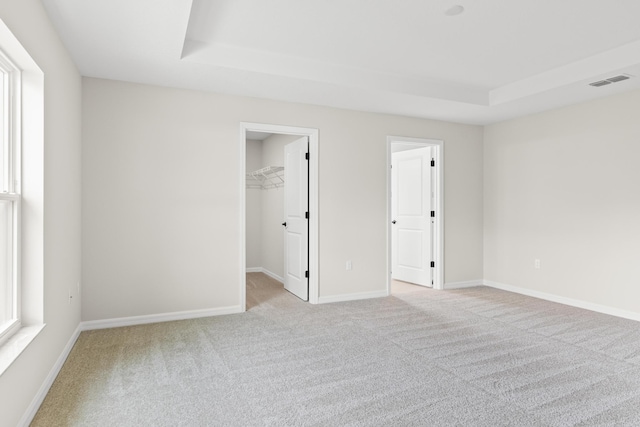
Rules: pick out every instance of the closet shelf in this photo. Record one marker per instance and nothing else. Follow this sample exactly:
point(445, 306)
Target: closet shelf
point(266, 178)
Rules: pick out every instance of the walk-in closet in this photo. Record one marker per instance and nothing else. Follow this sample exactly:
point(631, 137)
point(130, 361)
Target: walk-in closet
point(265, 202)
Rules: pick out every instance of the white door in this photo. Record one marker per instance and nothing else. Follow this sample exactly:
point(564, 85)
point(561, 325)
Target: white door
point(411, 231)
point(296, 210)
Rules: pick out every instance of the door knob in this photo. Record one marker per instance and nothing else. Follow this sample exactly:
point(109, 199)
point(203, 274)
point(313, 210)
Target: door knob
point(393, 222)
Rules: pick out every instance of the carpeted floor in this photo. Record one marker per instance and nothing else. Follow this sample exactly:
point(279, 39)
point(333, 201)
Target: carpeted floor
point(472, 357)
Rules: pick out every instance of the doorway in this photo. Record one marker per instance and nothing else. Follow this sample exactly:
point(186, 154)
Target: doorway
point(247, 199)
point(415, 226)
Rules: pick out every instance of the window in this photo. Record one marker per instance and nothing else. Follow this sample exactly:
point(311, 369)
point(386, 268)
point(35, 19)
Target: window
point(21, 198)
point(10, 197)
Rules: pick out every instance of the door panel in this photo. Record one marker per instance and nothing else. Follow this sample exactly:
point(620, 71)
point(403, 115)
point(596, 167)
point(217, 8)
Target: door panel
point(296, 202)
point(409, 194)
point(411, 216)
point(411, 243)
point(294, 255)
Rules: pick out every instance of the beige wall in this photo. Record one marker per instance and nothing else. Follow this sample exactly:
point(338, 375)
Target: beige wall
point(21, 381)
point(563, 187)
point(254, 208)
point(161, 196)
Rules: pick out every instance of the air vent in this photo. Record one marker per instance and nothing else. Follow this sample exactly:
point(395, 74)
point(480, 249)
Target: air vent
point(614, 79)
point(618, 78)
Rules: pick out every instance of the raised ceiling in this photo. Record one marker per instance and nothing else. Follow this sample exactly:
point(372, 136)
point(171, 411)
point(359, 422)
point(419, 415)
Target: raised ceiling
point(497, 60)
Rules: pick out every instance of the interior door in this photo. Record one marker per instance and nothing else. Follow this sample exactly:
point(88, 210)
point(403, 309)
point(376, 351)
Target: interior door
point(411, 231)
point(296, 225)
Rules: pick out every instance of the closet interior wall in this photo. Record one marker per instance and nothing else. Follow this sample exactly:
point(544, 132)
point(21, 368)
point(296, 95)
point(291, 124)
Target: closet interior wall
point(254, 208)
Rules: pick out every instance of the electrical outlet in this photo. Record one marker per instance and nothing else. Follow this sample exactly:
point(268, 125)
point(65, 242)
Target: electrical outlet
point(349, 265)
point(537, 264)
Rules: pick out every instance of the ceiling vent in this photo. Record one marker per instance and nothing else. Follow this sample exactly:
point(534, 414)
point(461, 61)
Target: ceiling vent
point(618, 78)
point(614, 79)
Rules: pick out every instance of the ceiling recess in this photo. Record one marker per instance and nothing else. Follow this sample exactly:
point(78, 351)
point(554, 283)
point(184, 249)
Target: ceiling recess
point(610, 80)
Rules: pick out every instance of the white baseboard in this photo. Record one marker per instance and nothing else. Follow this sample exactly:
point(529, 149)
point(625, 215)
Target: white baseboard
point(352, 297)
point(265, 271)
point(156, 318)
point(273, 275)
point(461, 285)
point(48, 382)
point(632, 315)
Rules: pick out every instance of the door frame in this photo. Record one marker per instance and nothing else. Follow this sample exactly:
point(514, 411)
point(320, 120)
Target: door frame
point(438, 185)
point(312, 134)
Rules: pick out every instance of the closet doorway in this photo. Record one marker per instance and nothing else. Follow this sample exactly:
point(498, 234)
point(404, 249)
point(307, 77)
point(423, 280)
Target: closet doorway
point(271, 239)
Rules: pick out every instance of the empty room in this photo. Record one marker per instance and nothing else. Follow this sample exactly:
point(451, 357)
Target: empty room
point(356, 213)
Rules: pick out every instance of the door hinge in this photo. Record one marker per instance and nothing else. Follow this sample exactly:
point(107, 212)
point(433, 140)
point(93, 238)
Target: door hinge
point(433, 214)
point(433, 162)
point(433, 264)
point(306, 274)
point(306, 156)
point(306, 215)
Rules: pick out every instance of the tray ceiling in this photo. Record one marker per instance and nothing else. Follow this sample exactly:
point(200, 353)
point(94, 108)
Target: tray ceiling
point(496, 60)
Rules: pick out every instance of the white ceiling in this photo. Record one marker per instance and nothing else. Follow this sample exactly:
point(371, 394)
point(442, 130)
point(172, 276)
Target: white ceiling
point(498, 60)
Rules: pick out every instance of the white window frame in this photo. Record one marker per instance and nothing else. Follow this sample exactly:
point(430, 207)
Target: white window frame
point(10, 144)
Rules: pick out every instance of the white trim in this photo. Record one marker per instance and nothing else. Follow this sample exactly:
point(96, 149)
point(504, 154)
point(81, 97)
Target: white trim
point(462, 285)
point(265, 271)
point(438, 156)
point(632, 315)
point(314, 287)
point(11, 146)
point(13, 346)
point(242, 191)
point(157, 318)
point(33, 407)
point(352, 297)
point(273, 275)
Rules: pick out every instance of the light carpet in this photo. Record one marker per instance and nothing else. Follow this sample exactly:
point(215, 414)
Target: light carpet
point(469, 357)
